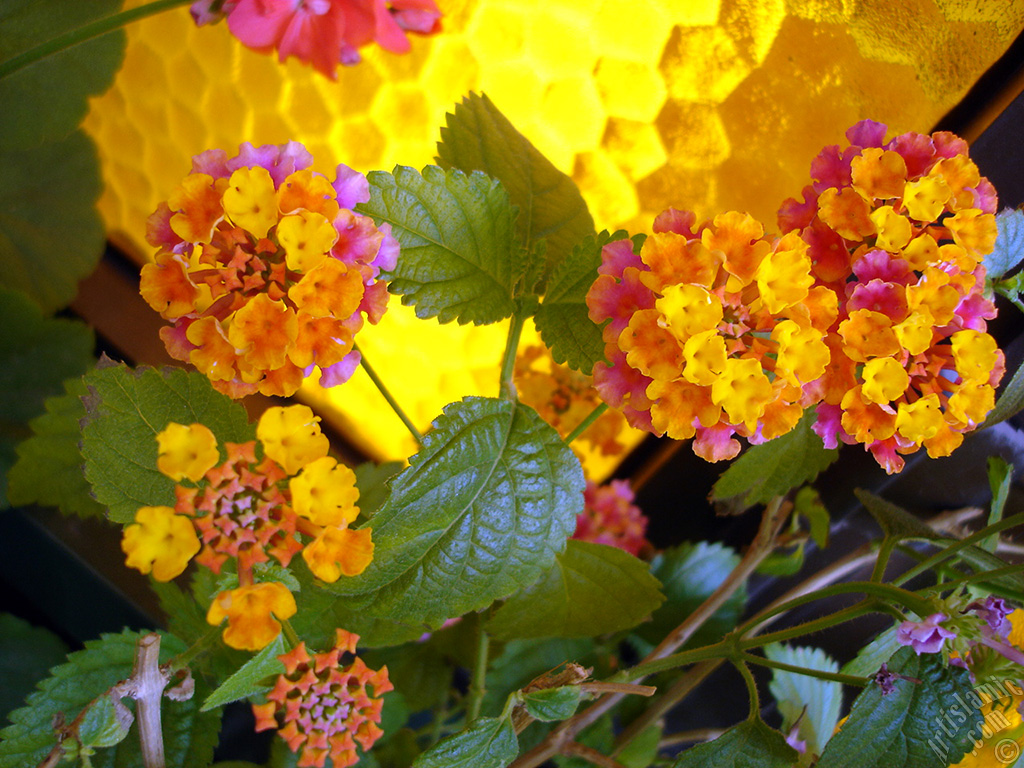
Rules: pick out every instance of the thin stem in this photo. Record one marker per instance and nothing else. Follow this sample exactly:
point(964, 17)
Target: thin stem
point(748, 678)
point(721, 650)
point(83, 33)
point(835, 677)
point(289, 633)
point(591, 755)
point(387, 396)
point(183, 659)
point(507, 387)
point(810, 627)
point(478, 683)
point(884, 552)
point(593, 416)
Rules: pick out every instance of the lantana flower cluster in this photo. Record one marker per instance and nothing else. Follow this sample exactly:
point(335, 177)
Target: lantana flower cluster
point(610, 517)
point(898, 231)
point(323, 709)
point(252, 509)
point(323, 33)
point(264, 270)
point(870, 306)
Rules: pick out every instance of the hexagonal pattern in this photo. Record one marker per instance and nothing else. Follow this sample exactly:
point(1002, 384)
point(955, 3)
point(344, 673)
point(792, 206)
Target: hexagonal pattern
point(702, 104)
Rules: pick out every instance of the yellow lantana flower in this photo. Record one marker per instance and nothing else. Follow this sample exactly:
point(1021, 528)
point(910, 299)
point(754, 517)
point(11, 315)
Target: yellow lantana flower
point(253, 613)
point(291, 436)
point(325, 493)
point(339, 551)
point(186, 452)
point(159, 541)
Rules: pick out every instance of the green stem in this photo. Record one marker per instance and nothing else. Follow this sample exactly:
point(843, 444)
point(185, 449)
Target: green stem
point(816, 625)
point(85, 32)
point(593, 416)
point(508, 362)
point(478, 682)
point(956, 546)
point(185, 658)
point(884, 553)
point(720, 650)
point(820, 674)
point(387, 396)
point(748, 678)
point(984, 576)
point(289, 633)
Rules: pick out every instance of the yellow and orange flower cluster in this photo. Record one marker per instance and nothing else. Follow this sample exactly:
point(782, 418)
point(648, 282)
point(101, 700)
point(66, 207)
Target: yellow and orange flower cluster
point(869, 306)
point(265, 271)
point(250, 510)
point(323, 709)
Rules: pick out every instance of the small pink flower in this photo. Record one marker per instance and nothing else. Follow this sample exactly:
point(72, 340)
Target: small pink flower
point(926, 636)
point(610, 517)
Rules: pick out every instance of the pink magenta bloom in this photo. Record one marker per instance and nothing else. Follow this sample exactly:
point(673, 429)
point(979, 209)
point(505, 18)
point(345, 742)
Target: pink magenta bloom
point(325, 33)
point(610, 517)
point(926, 636)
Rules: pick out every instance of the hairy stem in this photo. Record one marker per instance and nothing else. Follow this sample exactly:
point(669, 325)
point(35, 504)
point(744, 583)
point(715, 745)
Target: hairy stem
point(507, 387)
point(477, 685)
point(835, 677)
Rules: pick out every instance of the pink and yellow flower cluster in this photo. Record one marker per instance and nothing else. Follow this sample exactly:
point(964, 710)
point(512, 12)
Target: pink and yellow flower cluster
point(869, 306)
point(610, 517)
point(323, 709)
point(252, 509)
point(265, 271)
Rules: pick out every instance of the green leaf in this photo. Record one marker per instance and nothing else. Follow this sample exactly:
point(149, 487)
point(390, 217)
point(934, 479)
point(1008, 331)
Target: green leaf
point(773, 468)
point(1010, 402)
point(251, 679)
point(552, 704)
point(917, 725)
point(106, 723)
point(189, 737)
point(783, 562)
point(643, 749)
point(1009, 248)
point(126, 409)
point(807, 503)
point(812, 702)
point(374, 484)
point(46, 100)
point(478, 137)
point(563, 319)
point(751, 744)
point(592, 589)
point(522, 661)
point(50, 233)
point(26, 654)
point(1000, 477)
point(460, 257)
point(50, 470)
point(872, 656)
point(490, 743)
point(481, 511)
point(37, 354)
point(689, 573)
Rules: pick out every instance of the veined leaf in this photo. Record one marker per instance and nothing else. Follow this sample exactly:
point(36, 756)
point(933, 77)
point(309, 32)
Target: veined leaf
point(250, 679)
point(1010, 402)
point(481, 511)
point(552, 704)
point(1009, 250)
point(751, 744)
point(126, 409)
point(872, 656)
point(899, 729)
point(460, 257)
point(812, 702)
point(374, 484)
point(774, 468)
point(592, 589)
point(490, 743)
point(478, 137)
point(563, 319)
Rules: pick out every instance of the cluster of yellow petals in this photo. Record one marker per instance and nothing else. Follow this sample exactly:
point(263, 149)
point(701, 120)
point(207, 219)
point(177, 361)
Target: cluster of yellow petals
point(311, 494)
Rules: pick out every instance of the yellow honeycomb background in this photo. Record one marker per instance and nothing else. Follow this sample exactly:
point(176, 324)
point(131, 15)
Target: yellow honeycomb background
point(709, 105)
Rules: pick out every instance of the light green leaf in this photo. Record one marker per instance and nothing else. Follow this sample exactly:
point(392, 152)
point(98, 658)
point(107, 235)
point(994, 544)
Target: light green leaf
point(189, 737)
point(481, 511)
point(1010, 402)
point(642, 751)
point(26, 654)
point(814, 703)
point(689, 573)
point(490, 743)
point(872, 656)
point(37, 354)
point(50, 470)
point(126, 409)
point(563, 319)
point(751, 744)
point(251, 678)
point(773, 468)
point(106, 723)
point(50, 233)
point(460, 257)
point(552, 704)
point(478, 137)
point(1009, 249)
point(520, 662)
point(899, 729)
point(592, 589)
point(1000, 477)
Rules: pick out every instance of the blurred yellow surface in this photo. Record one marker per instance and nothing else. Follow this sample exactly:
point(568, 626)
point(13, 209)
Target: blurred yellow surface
point(709, 105)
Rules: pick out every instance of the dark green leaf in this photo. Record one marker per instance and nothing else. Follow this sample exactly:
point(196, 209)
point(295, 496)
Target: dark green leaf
point(552, 704)
point(481, 511)
point(1000, 477)
point(917, 725)
point(252, 678)
point(490, 743)
point(1009, 250)
point(374, 484)
point(751, 744)
point(1010, 401)
point(26, 654)
point(50, 233)
point(689, 573)
point(478, 137)
point(126, 409)
point(460, 258)
point(189, 737)
point(773, 468)
point(642, 750)
point(50, 470)
point(592, 589)
point(46, 100)
point(37, 354)
point(809, 701)
point(563, 319)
